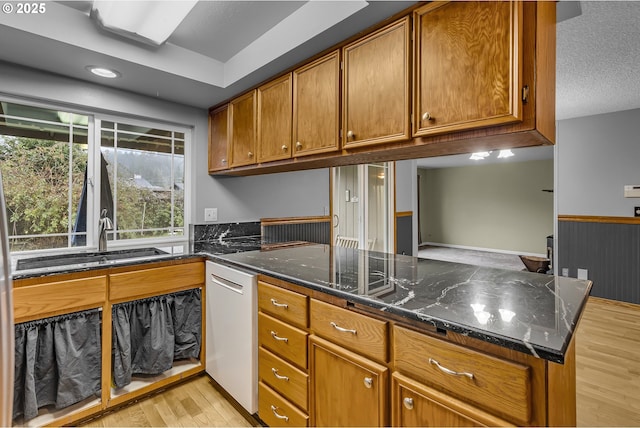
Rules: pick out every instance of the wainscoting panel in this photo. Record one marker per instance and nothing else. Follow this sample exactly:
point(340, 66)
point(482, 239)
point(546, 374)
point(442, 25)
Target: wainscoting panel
point(609, 251)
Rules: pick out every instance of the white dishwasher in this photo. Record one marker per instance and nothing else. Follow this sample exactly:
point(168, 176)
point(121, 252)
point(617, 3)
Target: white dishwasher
point(231, 334)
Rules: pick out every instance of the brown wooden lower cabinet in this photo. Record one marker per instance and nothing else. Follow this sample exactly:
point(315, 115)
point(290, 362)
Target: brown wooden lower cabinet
point(276, 411)
point(398, 374)
point(347, 389)
point(416, 405)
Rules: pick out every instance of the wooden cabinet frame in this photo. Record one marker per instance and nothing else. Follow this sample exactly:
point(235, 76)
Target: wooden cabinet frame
point(43, 297)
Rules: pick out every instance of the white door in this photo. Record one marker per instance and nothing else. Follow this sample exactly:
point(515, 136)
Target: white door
point(363, 206)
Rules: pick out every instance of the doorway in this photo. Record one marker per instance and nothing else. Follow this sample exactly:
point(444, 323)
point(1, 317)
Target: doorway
point(363, 206)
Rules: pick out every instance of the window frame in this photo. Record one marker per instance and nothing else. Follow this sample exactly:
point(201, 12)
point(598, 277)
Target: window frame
point(95, 119)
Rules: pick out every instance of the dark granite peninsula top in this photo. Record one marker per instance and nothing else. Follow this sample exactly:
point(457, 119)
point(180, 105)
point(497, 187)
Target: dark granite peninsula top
point(529, 312)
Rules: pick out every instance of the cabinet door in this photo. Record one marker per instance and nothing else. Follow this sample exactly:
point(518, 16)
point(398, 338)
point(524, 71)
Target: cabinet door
point(416, 405)
point(274, 120)
point(316, 106)
point(219, 139)
point(376, 87)
point(468, 65)
point(346, 388)
point(243, 129)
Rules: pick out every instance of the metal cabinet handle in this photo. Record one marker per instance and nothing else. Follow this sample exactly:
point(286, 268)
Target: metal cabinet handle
point(342, 329)
point(274, 302)
point(368, 382)
point(298, 145)
point(223, 160)
point(277, 415)
point(350, 134)
point(408, 402)
point(449, 371)
point(276, 337)
point(284, 147)
point(427, 116)
point(250, 154)
point(279, 376)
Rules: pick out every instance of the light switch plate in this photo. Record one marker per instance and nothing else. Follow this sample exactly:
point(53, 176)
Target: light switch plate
point(210, 214)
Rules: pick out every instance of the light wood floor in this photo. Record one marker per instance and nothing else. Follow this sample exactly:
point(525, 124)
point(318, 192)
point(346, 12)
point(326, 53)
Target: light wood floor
point(607, 380)
point(195, 403)
point(608, 364)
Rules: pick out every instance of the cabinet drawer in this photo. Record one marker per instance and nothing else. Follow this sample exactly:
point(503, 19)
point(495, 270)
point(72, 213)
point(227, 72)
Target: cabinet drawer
point(275, 411)
point(283, 340)
point(416, 405)
point(289, 381)
point(286, 305)
point(354, 331)
point(492, 383)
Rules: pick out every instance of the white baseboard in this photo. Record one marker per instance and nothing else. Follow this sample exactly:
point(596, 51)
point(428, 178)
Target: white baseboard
point(488, 250)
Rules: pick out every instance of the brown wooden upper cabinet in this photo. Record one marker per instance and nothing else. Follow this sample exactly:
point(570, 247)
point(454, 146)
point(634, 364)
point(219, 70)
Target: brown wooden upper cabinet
point(242, 136)
point(219, 139)
point(376, 96)
point(316, 106)
point(274, 119)
point(298, 114)
point(468, 65)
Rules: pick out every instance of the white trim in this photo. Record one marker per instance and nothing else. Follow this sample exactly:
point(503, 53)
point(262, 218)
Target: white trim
point(488, 250)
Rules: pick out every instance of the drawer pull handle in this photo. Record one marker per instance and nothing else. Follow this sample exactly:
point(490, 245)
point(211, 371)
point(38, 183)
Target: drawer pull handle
point(408, 402)
point(342, 329)
point(368, 382)
point(276, 337)
point(279, 376)
point(449, 371)
point(274, 409)
point(275, 303)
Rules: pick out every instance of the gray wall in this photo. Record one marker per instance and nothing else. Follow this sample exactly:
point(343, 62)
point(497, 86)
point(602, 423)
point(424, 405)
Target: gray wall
point(497, 206)
point(407, 200)
point(237, 198)
point(597, 156)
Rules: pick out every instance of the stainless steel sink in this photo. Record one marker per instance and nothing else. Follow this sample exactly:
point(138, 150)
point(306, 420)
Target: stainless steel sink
point(86, 257)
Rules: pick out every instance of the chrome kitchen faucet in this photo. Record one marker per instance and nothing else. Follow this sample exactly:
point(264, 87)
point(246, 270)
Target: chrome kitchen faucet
point(104, 224)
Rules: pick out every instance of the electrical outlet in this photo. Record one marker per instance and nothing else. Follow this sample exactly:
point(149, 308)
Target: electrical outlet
point(565, 271)
point(210, 214)
point(583, 274)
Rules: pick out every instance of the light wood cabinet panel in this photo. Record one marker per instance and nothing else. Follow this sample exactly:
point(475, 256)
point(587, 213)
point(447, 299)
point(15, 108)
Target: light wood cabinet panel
point(354, 331)
point(283, 340)
point(316, 106)
point(284, 378)
point(276, 411)
point(274, 119)
point(53, 298)
point(376, 79)
point(502, 386)
point(151, 282)
point(347, 389)
point(416, 405)
point(286, 305)
point(219, 139)
point(468, 65)
point(242, 136)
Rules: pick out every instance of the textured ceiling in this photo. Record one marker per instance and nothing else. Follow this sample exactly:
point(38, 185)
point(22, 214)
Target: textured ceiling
point(598, 59)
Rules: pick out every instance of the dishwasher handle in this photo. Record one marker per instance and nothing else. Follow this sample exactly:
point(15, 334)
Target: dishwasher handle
point(221, 282)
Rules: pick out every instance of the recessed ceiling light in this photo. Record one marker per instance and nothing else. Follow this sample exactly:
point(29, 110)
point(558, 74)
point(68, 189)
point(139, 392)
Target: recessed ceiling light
point(103, 72)
point(479, 155)
point(505, 154)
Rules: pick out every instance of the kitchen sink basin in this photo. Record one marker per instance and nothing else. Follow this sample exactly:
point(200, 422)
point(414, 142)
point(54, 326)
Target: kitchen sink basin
point(86, 257)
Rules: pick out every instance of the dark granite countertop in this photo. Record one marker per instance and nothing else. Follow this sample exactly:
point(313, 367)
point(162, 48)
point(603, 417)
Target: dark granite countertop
point(529, 312)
